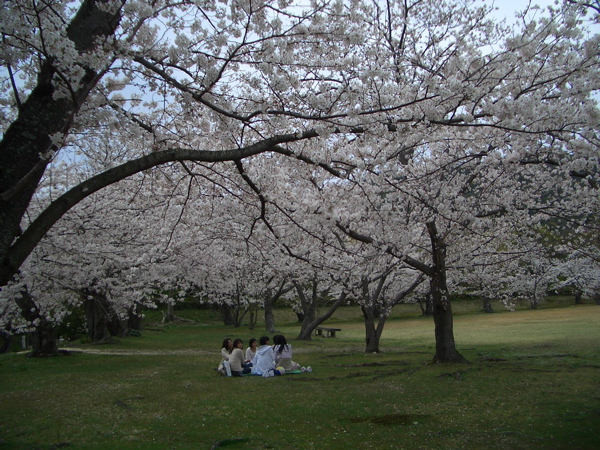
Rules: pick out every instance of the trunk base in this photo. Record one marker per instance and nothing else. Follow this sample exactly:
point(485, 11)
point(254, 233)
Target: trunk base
point(453, 357)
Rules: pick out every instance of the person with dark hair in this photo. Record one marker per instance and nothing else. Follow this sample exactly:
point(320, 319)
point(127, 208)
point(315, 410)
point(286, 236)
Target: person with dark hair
point(283, 353)
point(251, 350)
point(236, 359)
point(226, 349)
point(264, 360)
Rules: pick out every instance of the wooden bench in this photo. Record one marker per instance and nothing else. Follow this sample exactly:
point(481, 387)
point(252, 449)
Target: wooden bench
point(330, 331)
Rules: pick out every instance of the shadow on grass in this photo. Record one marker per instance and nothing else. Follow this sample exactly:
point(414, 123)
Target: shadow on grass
point(395, 419)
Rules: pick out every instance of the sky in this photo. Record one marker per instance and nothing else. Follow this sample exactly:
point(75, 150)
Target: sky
point(507, 8)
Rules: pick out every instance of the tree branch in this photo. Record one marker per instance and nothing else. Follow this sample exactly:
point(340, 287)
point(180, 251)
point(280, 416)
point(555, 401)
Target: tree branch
point(415, 264)
point(25, 244)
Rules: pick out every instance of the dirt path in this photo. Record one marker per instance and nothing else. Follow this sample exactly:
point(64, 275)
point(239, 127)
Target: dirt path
point(188, 352)
point(94, 351)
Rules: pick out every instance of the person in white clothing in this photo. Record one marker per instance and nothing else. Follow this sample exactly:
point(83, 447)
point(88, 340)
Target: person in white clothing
point(226, 349)
point(236, 360)
point(251, 350)
point(264, 360)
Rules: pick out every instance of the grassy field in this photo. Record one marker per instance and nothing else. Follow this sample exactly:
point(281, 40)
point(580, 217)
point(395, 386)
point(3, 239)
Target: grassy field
point(533, 382)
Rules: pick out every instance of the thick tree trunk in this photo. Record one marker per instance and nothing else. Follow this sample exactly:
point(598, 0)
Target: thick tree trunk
point(226, 314)
point(533, 303)
point(98, 317)
point(269, 316)
point(442, 311)
point(169, 316)
point(372, 332)
point(238, 319)
point(371, 341)
point(309, 308)
point(253, 318)
point(270, 300)
point(233, 314)
point(117, 326)
point(306, 332)
point(309, 318)
point(445, 347)
point(5, 340)
point(487, 305)
point(44, 340)
point(134, 321)
point(426, 305)
point(370, 310)
point(28, 140)
point(578, 299)
point(376, 308)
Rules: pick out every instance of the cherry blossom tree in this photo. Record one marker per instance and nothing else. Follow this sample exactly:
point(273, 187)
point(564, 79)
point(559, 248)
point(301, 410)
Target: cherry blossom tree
point(489, 180)
point(512, 274)
point(93, 68)
point(106, 256)
point(581, 272)
point(379, 295)
point(463, 125)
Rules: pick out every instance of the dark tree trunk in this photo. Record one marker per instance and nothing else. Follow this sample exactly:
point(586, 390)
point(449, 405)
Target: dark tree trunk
point(533, 303)
point(28, 138)
point(426, 305)
point(226, 314)
point(269, 316)
point(372, 332)
point(376, 308)
point(309, 317)
point(306, 332)
point(44, 340)
point(233, 314)
point(253, 318)
point(169, 316)
point(442, 311)
point(238, 318)
point(370, 310)
point(5, 340)
point(445, 347)
point(134, 321)
point(371, 342)
point(116, 326)
point(270, 299)
point(578, 299)
point(97, 313)
point(487, 305)
point(239, 314)
point(309, 309)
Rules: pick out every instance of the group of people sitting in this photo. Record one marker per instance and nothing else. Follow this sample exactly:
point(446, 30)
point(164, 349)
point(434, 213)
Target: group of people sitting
point(261, 357)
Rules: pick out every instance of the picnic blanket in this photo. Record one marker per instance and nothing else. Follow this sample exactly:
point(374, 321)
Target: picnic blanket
point(292, 372)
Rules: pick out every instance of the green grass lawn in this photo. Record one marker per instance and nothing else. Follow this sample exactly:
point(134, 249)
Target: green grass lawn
point(533, 382)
